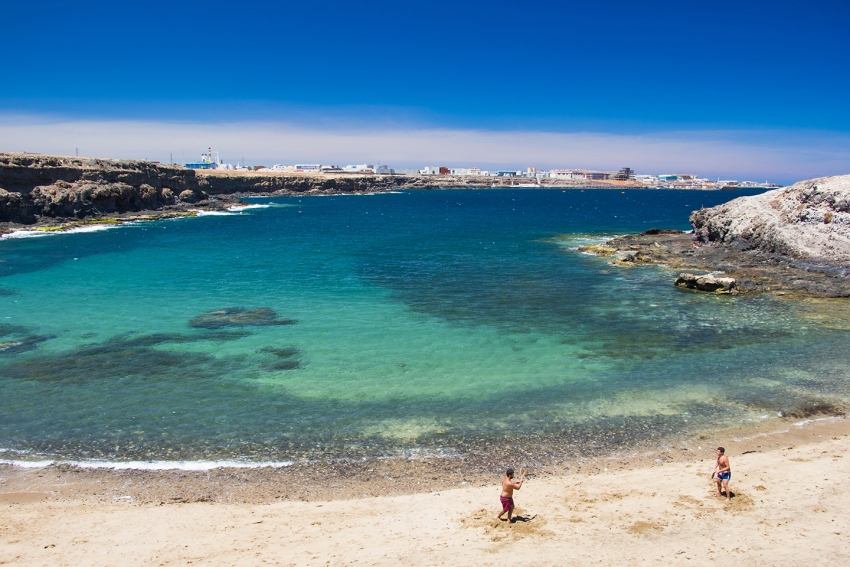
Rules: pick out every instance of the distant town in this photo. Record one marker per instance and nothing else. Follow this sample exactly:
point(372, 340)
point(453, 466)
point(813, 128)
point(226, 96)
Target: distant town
point(529, 177)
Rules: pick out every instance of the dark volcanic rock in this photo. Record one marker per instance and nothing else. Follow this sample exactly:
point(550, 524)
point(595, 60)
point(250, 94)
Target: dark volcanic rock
point(33, 186)
point(238, 317)
point(37, 187)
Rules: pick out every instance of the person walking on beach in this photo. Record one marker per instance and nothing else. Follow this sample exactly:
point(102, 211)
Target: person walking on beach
point(723, 472)
point(507, 496)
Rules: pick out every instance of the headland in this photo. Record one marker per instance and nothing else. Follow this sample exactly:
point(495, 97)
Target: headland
point(794, 241)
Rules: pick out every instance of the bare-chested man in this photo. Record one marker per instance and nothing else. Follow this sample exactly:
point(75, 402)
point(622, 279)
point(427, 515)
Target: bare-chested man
point(507, 496)
point(723, 472)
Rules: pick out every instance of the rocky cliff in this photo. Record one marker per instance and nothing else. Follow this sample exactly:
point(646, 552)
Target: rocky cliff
point(230, 183)
point(44, 189)
point(810, 219)
point(32, 187)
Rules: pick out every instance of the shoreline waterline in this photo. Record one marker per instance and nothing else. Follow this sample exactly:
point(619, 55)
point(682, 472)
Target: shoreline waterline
point(346, 479)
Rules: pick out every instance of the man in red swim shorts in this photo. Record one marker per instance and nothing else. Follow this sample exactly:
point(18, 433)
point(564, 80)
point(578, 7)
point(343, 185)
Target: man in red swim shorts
point(507, 496)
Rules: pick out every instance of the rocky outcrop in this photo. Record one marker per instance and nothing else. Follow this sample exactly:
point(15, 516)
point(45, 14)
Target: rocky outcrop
point(790, 241)
point(810, 219)
point(753, 270)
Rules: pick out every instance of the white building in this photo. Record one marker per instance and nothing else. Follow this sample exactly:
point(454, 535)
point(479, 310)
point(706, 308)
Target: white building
point(362, 168)
point(430, 170)
point(566, 174)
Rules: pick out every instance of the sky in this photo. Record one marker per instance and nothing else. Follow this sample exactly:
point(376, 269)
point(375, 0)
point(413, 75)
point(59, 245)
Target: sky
point(737, 90)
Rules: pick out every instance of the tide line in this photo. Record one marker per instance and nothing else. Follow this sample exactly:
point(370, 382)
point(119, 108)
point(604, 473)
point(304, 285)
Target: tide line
point(149, 465)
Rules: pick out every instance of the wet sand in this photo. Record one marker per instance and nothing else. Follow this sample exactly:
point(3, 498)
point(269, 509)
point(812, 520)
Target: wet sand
point(789, 505)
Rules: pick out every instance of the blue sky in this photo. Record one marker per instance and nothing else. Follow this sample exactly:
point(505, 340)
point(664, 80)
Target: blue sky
point(771, 76)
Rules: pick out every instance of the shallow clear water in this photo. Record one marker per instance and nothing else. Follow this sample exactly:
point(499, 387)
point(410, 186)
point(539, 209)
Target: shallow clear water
point(424, 320)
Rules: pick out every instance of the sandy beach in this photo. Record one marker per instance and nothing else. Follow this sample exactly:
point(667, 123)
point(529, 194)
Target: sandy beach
point(789, 506)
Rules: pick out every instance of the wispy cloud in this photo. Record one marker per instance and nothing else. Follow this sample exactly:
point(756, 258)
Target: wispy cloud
point(776, 155)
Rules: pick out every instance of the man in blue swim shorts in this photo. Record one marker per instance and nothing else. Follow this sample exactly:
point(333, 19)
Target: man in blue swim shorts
point(723, 472)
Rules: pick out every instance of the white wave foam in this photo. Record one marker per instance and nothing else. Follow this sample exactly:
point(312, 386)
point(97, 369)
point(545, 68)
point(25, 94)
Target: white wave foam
point(807, 421)
point(75, 230)
point(27, 234)
point(214, 213)
point(246, 207)
point(149, 465)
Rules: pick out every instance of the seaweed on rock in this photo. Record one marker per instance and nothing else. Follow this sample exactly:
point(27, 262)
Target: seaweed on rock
point(285, 352)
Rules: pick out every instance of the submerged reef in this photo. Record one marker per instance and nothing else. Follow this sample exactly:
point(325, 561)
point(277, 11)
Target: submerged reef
point(23, 344)
point(285, 358)
point(123, 356)
point(238, 317)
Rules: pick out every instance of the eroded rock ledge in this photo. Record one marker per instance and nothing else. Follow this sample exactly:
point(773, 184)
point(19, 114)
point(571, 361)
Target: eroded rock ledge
point(793, 240)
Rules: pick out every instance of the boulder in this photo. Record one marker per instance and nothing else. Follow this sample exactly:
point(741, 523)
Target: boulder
point(707, 282)
point(188, 196)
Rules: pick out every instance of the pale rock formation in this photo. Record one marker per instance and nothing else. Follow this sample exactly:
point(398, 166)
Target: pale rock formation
point(810, 219)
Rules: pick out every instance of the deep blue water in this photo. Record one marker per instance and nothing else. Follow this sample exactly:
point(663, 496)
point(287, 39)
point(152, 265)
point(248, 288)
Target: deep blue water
point(429, 319)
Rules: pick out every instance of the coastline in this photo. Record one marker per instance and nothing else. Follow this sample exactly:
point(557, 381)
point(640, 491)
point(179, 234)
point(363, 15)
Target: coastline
point(43, 191)
point(787, 485)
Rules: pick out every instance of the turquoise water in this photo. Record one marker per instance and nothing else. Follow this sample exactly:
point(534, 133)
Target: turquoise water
point(417, 321)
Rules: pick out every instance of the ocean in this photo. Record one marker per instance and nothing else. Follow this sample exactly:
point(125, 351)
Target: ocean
point(401, 324)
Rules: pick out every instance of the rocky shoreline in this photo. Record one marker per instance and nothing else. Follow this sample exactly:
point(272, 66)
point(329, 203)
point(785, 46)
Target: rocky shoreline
point(793, 241)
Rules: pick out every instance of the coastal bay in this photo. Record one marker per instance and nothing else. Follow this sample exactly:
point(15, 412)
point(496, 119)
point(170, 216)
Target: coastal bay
point(306, 358)
point(307, 329)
